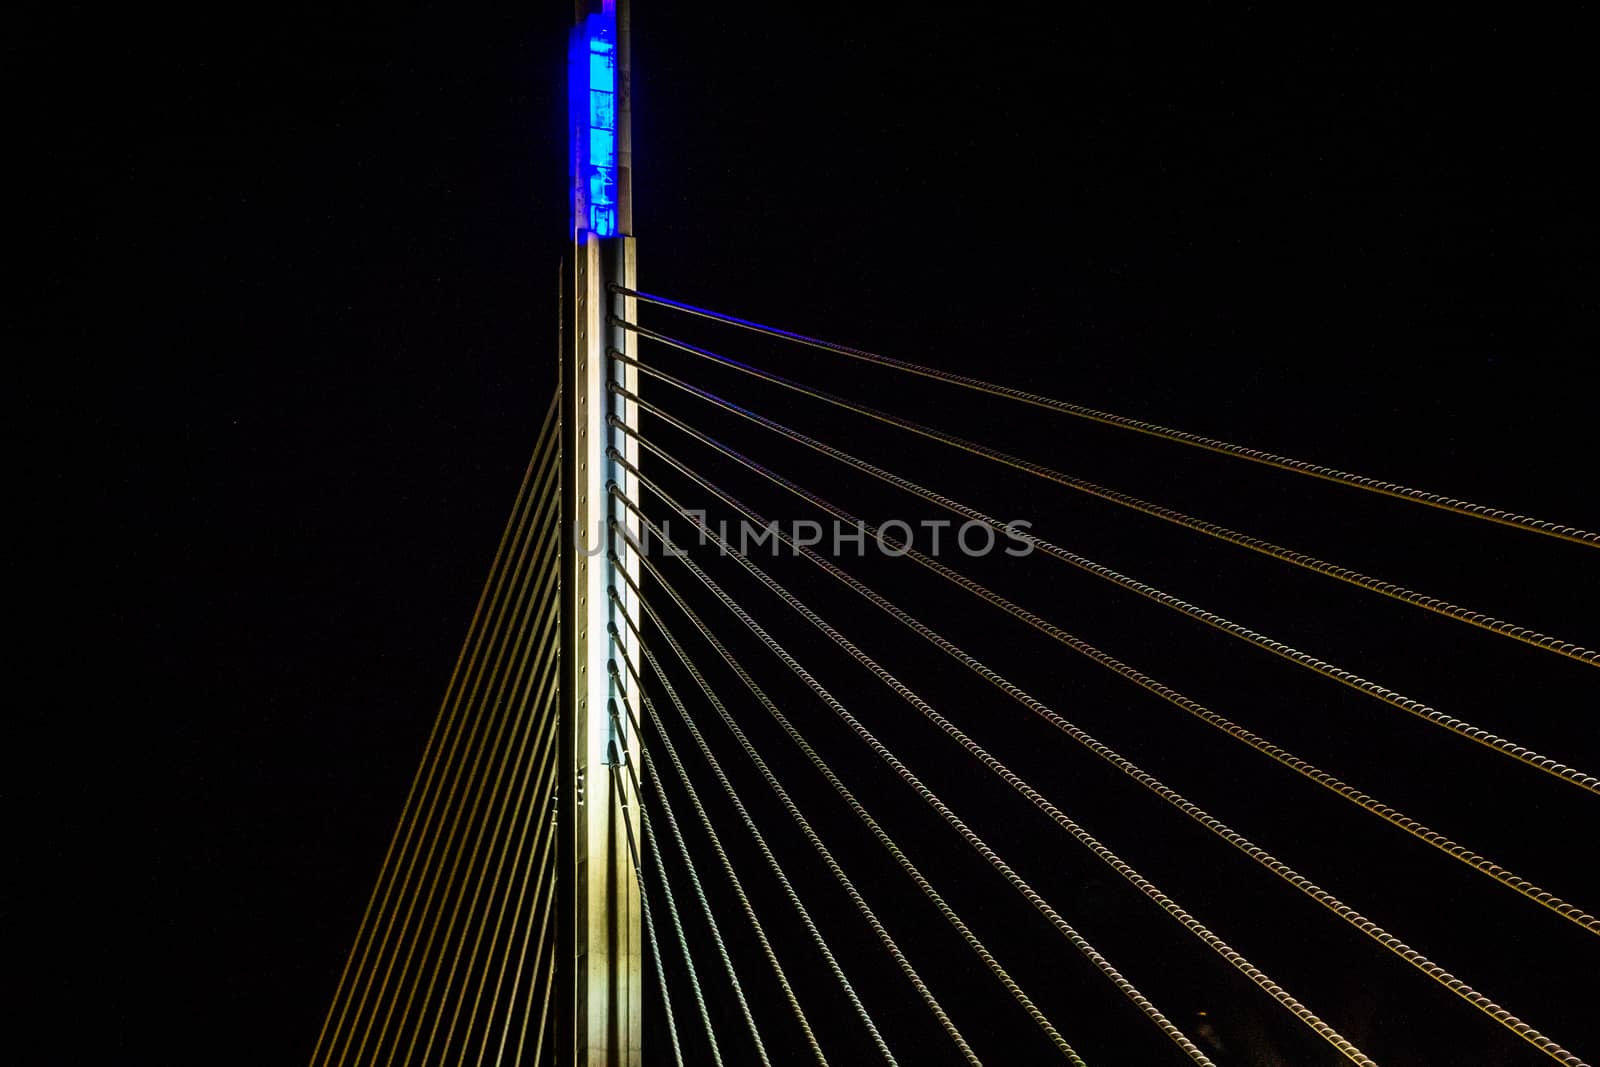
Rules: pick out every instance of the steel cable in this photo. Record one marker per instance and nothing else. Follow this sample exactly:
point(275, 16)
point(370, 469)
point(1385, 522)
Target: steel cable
point(544, 1010)
point(512, 754)
point(543, 898)
point(443, 727)
point(1231, 955)
point(944, 909)
point(683, 941)
point(1570, 912)
point(1123, 422)
point(711, 919)
point(491, 718)
point(1259, 545)
point(549, 982)
point(716, 846)
point(800, 821)
point(1382, 693)
point(469, 746)
point(533, 805)
point(1154, 1014)
point(543, 906)
point(498, 710)
point(545, 816)
point(760, 839)
point(1150, 782)
point(644, 912)
point(536, 807)
point(949, 913)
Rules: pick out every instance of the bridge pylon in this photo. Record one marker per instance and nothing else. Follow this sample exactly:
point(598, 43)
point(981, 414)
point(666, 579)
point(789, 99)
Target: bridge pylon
point(599, 906)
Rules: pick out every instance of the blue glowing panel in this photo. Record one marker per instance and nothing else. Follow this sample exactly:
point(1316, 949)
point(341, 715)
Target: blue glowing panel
point(602, 67)
point(602, 149)
point(592, 76)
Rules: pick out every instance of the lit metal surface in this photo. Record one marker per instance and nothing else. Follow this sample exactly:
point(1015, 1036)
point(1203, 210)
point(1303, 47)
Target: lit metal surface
point(593, 92)
point(601, 905)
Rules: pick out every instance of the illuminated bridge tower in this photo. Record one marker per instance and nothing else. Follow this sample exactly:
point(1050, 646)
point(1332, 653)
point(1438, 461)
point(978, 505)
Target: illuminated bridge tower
point(599, 896)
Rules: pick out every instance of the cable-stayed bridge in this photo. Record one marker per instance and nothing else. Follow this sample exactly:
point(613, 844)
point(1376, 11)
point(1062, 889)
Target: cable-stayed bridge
point(772, 740)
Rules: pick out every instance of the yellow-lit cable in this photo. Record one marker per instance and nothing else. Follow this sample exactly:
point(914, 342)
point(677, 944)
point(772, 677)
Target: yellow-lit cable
point(1182, 437)
point(543, 904)
point(423, 783)
point(644, 912)
point(1210, 939)
point(1106, 968)
point(1304, 560)
point(962, 929)
point(1417, 708)
point(496, 716)
point(541, 736)
point(544, 908)
point(506, 753)
point(722, 856)
point(756, 834)
point(1282, 870)
point(538, 809)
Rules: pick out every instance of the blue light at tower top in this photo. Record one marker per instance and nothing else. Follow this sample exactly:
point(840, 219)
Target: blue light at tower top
point(592, 81)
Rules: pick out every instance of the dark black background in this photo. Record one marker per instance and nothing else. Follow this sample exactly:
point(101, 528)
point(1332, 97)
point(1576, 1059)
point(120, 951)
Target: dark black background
point(297, 272)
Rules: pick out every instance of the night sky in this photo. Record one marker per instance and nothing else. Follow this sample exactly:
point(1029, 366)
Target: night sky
point(300, 291)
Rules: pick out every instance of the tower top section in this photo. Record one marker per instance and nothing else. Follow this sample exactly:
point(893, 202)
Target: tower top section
point(597, 80)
